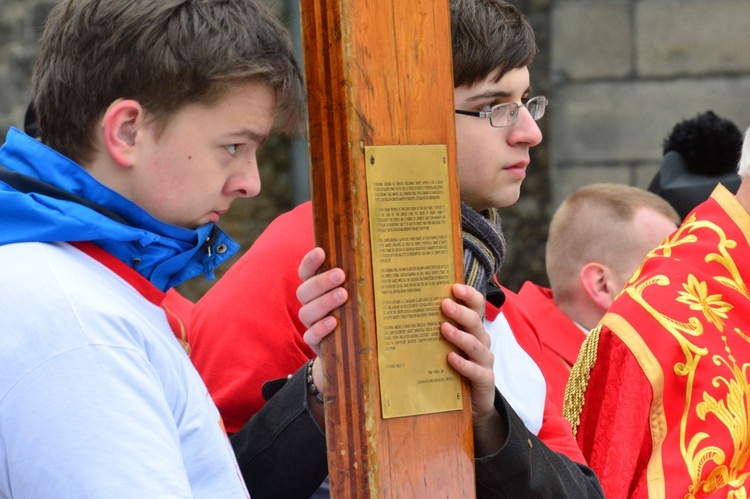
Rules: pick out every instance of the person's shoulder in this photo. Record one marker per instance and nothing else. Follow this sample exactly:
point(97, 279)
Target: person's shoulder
point(278, 251)
point(56, 287)
point(520, 322)
point(265, 275)
point(37, 271)
point(58, 302)
point(512, 303)
point(287, 238)
point(530, 290)
point(297, 222)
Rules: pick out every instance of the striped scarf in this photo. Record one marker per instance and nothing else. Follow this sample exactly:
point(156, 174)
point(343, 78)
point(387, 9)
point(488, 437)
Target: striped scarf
point(484, 246)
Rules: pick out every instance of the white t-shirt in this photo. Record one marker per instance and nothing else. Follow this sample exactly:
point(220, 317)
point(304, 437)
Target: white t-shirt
point(517, 376)
point(97, 398)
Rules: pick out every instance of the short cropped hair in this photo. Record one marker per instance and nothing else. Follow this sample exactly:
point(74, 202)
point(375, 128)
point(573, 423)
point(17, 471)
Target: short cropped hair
point(594, 224)
point(744, 166)
point(165, 54)
point(489, 36)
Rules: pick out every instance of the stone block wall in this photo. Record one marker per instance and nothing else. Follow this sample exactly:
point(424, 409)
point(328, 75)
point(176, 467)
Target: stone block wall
point(623, 73)
point(21, 23)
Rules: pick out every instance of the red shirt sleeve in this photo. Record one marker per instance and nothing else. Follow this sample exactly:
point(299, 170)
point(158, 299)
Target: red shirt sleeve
point(245, 330)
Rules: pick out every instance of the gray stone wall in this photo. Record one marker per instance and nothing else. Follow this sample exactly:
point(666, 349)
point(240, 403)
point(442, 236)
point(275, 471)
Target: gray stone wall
point(21, 23)
point(623, 73)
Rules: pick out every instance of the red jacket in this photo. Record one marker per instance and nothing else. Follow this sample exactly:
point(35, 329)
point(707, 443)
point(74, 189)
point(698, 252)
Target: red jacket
point(561, 337)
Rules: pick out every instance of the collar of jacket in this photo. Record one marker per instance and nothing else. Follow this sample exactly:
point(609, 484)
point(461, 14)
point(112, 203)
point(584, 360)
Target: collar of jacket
point(46, 197)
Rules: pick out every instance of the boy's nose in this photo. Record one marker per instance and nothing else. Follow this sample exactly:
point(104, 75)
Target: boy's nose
point(526, 130)
point(246, 183)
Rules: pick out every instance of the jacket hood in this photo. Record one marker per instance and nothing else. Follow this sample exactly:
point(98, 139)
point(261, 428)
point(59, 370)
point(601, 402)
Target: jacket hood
point(46, 197)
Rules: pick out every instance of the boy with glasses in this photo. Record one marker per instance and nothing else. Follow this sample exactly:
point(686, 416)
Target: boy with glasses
point(493, 45)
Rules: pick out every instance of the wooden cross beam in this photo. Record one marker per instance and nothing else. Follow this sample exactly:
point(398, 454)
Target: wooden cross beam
point(385, 196)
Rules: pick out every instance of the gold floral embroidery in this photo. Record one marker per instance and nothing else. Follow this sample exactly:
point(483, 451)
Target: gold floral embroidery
point(732, 407)
point(733, 413)
point(665, 248)
point(684, 235)
point(696, 297)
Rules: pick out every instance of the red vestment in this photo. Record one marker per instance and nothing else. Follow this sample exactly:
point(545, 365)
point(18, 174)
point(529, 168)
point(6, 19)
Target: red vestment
point(660, 395)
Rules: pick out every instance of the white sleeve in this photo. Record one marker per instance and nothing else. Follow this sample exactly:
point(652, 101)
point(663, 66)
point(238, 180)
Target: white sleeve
point(91, 422)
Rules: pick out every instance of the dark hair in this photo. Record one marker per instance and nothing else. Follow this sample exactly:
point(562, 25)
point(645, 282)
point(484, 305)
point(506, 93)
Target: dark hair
point(163, 53)
point(709, 144)
point(699, 153)
point(488, 36)
point(30, 125)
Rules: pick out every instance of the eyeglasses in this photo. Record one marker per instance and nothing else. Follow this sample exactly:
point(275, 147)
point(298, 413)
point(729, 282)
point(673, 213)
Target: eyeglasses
point(506, 114)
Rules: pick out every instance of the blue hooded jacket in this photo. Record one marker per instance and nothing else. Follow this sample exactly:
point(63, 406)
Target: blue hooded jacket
point(46, 197)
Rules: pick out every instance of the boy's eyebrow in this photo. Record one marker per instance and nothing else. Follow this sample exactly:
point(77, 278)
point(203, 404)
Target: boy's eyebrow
point(252, 135)
point(494, 94)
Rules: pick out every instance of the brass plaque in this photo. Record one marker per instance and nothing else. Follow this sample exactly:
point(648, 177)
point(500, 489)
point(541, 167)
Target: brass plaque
point(412, 260)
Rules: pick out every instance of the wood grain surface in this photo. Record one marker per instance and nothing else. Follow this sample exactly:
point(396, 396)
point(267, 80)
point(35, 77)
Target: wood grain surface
point(379, 72)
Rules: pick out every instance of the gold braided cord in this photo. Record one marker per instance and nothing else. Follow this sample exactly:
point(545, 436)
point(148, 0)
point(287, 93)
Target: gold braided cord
point(575, 390)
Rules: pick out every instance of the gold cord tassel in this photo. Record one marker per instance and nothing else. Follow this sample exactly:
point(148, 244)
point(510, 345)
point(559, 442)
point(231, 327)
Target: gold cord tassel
point(575, 390)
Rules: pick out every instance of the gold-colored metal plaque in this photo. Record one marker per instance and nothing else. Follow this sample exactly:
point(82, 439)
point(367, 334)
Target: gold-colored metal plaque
point(412, 261)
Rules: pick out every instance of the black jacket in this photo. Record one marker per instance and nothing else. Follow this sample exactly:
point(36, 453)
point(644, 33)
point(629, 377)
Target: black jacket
point(281, 452)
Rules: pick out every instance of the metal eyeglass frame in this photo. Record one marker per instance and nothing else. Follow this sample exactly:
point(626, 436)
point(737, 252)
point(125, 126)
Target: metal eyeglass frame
point(538, 104)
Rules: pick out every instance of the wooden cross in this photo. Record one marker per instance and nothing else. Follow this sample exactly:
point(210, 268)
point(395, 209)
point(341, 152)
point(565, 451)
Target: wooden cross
point(379, 77)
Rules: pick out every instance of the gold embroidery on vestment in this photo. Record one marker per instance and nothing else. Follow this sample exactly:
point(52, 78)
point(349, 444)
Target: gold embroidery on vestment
point(732, 408)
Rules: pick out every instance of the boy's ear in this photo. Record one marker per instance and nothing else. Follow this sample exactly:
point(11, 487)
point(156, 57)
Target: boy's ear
point(598, 280)
point(120, 124)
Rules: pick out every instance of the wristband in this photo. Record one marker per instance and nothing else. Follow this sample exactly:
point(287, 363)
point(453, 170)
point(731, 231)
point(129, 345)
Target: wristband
point(311, 388)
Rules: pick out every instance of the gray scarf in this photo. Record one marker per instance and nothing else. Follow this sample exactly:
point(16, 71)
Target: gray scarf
point(484, 246)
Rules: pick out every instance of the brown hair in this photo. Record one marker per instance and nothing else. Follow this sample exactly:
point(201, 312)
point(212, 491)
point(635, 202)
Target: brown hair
point(593, 224)
point(488, 36)
point(163, 53)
